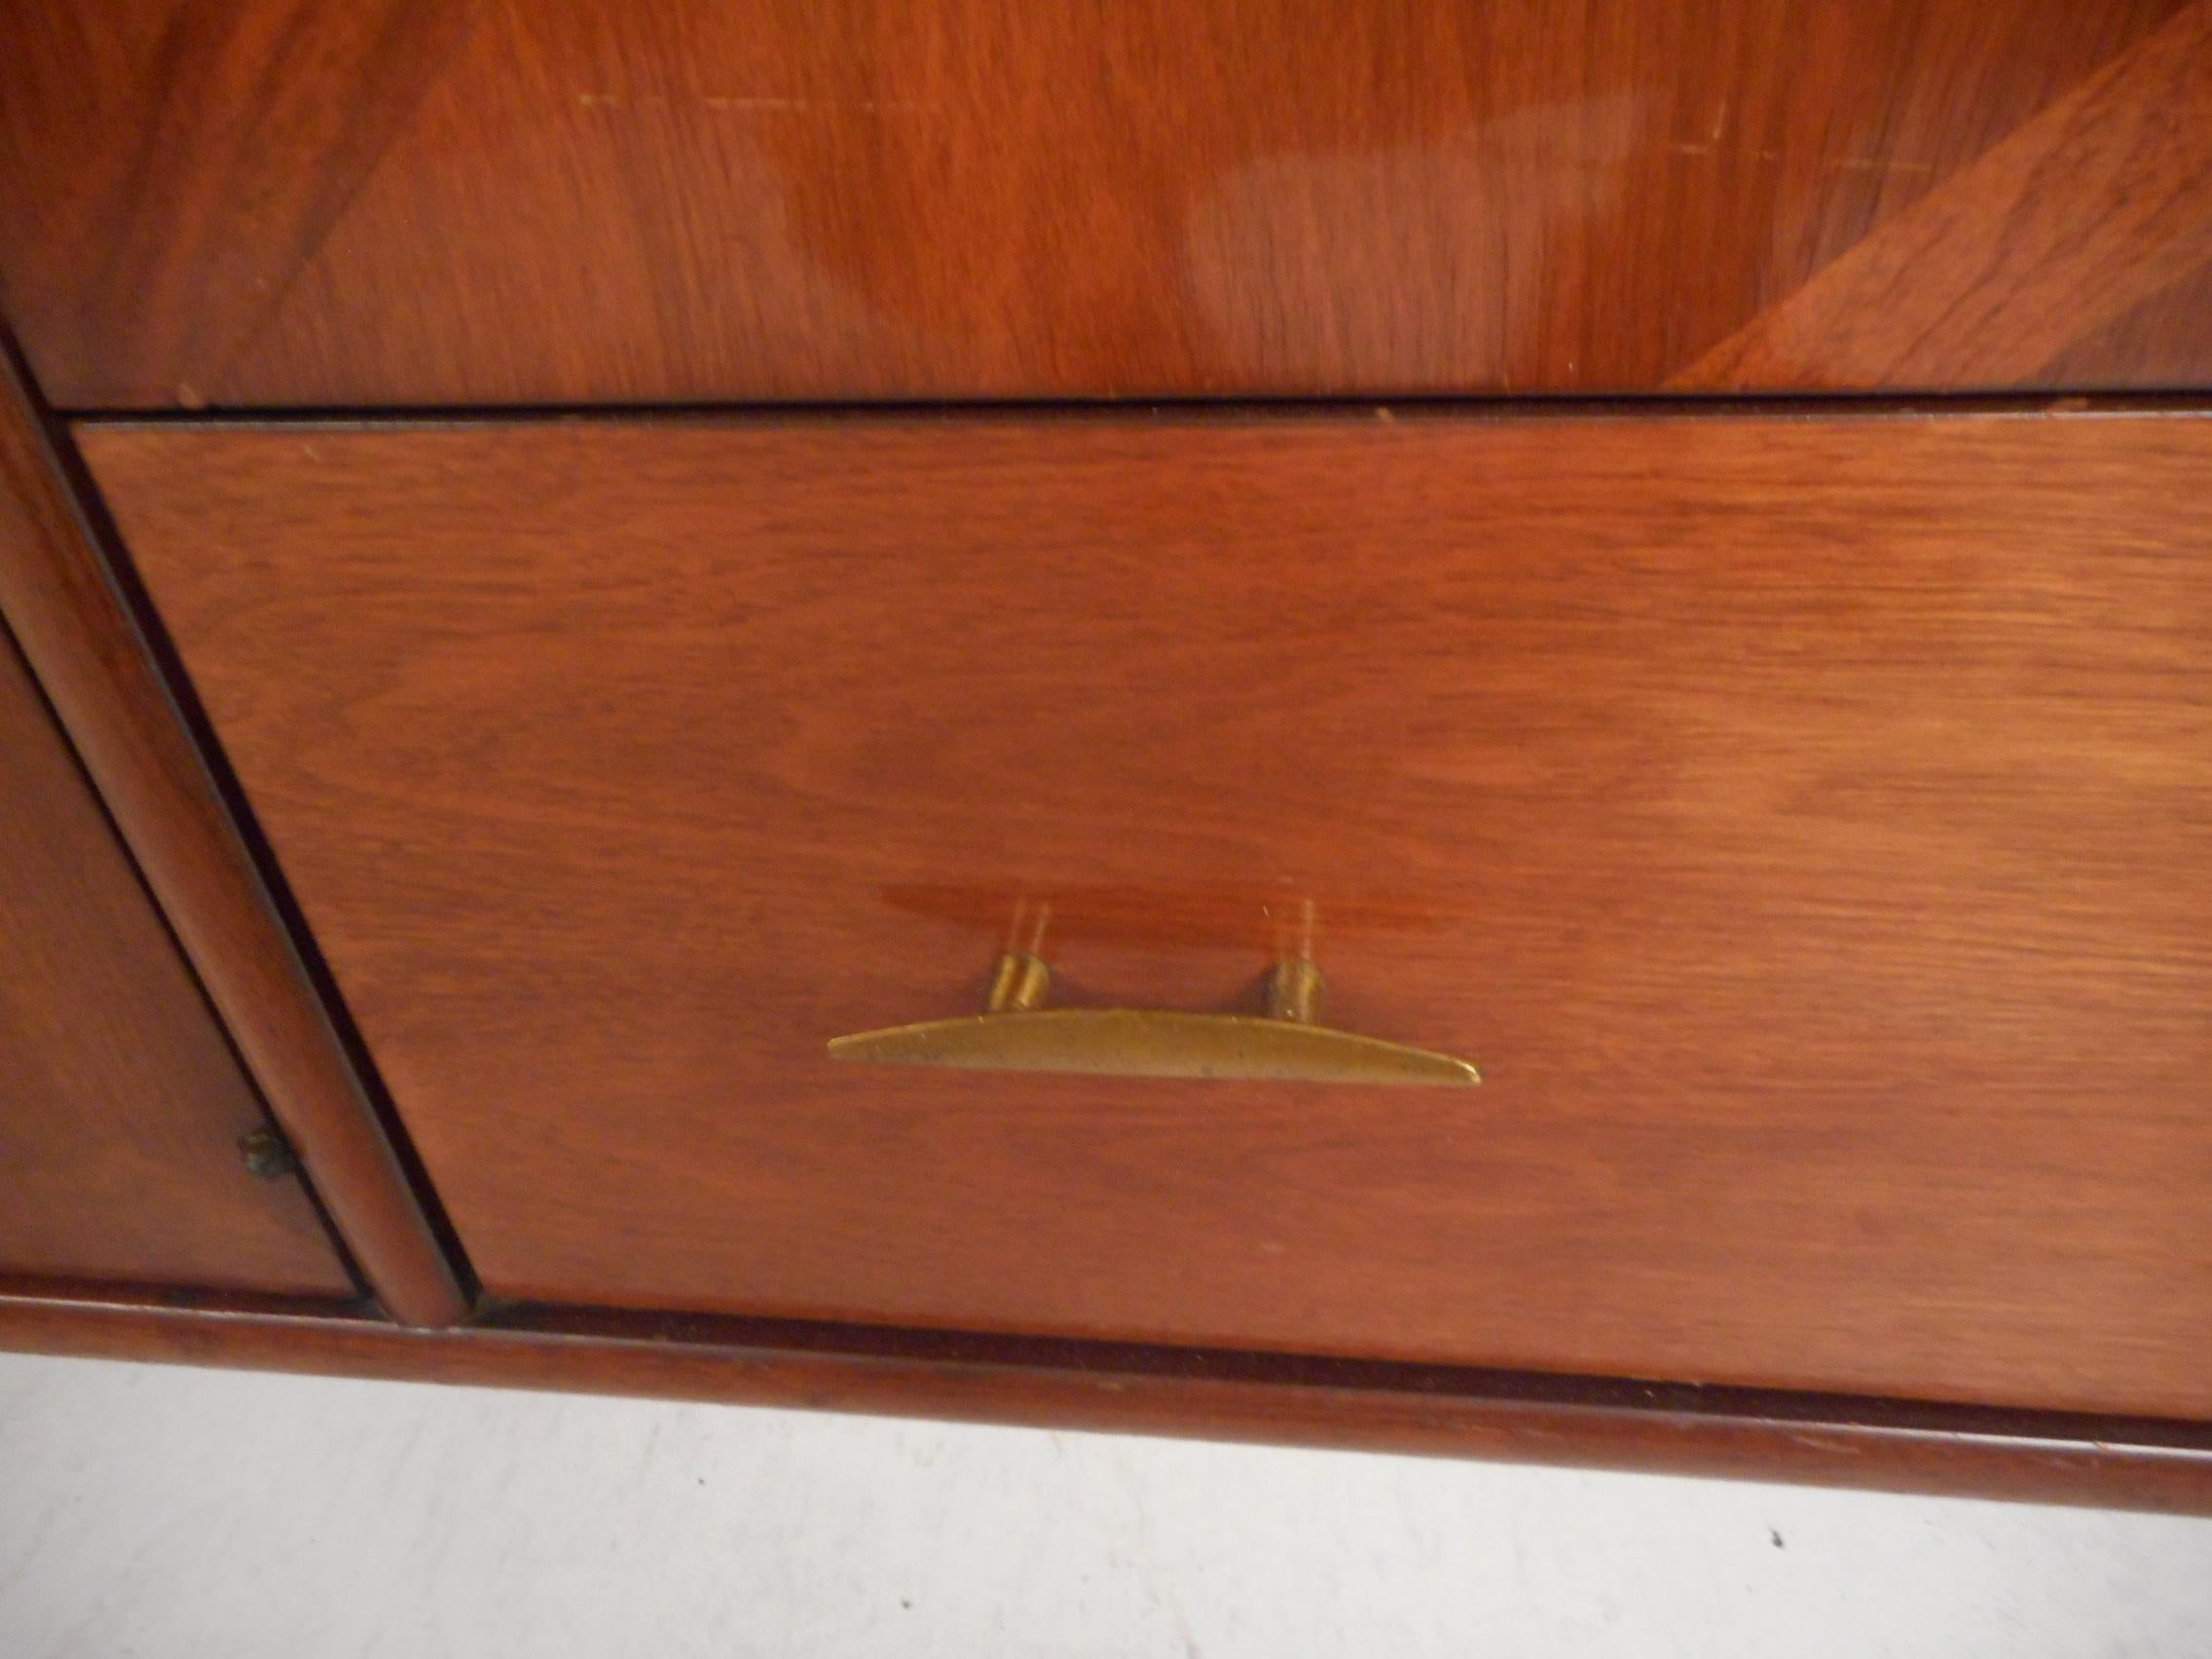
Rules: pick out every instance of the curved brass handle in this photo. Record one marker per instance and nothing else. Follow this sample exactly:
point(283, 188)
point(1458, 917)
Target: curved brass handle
point(1019, 1033)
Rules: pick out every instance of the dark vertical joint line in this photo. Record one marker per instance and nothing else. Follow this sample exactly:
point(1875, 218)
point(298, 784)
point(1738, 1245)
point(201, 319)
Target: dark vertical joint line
point(107, 540)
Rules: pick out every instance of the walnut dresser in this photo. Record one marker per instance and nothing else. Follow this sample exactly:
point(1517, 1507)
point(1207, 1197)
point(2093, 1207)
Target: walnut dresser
point(1459, 725)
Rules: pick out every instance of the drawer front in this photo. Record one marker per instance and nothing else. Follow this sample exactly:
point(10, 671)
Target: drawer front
point(1806, 823)
point(120, 1105)
point(446, 201)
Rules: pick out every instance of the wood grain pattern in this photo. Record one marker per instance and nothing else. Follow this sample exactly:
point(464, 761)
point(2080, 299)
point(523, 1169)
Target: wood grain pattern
point(377, 201)
point(1401, 1409)
point(120, 1103)
point(1804, 823)
point(58, 596)
point(2093, 207)
point(235, 137)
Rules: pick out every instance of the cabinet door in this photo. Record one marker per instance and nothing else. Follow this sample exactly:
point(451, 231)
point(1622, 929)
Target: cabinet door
point(121, 1104)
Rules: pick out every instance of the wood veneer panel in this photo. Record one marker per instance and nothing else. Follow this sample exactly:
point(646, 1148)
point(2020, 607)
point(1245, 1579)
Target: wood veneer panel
point(372, 201)
point(120, 1103)
point(1807, 823)
point(2095, 208)
point(76, 633)
point(1888, 1445)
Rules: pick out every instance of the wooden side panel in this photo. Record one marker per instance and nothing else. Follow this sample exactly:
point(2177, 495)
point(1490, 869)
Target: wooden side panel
point(59, 598)
point(370, 201)
point(1807, 824)
point(119, 1104)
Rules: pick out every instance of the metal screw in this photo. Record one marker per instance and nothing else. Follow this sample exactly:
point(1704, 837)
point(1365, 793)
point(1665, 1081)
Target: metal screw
point(268, 1155)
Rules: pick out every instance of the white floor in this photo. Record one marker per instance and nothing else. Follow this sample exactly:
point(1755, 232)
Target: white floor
point(152, 1512)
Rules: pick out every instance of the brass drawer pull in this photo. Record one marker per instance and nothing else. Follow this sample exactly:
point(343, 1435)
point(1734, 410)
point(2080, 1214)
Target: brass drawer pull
point(1019, 1033)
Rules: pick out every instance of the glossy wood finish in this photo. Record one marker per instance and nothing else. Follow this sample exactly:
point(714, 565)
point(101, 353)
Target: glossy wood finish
point(1424, 1411)
point(120, 1103)
point(370, 201)
point(57, 594)
point(1805, 824)
point(2095, 217)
